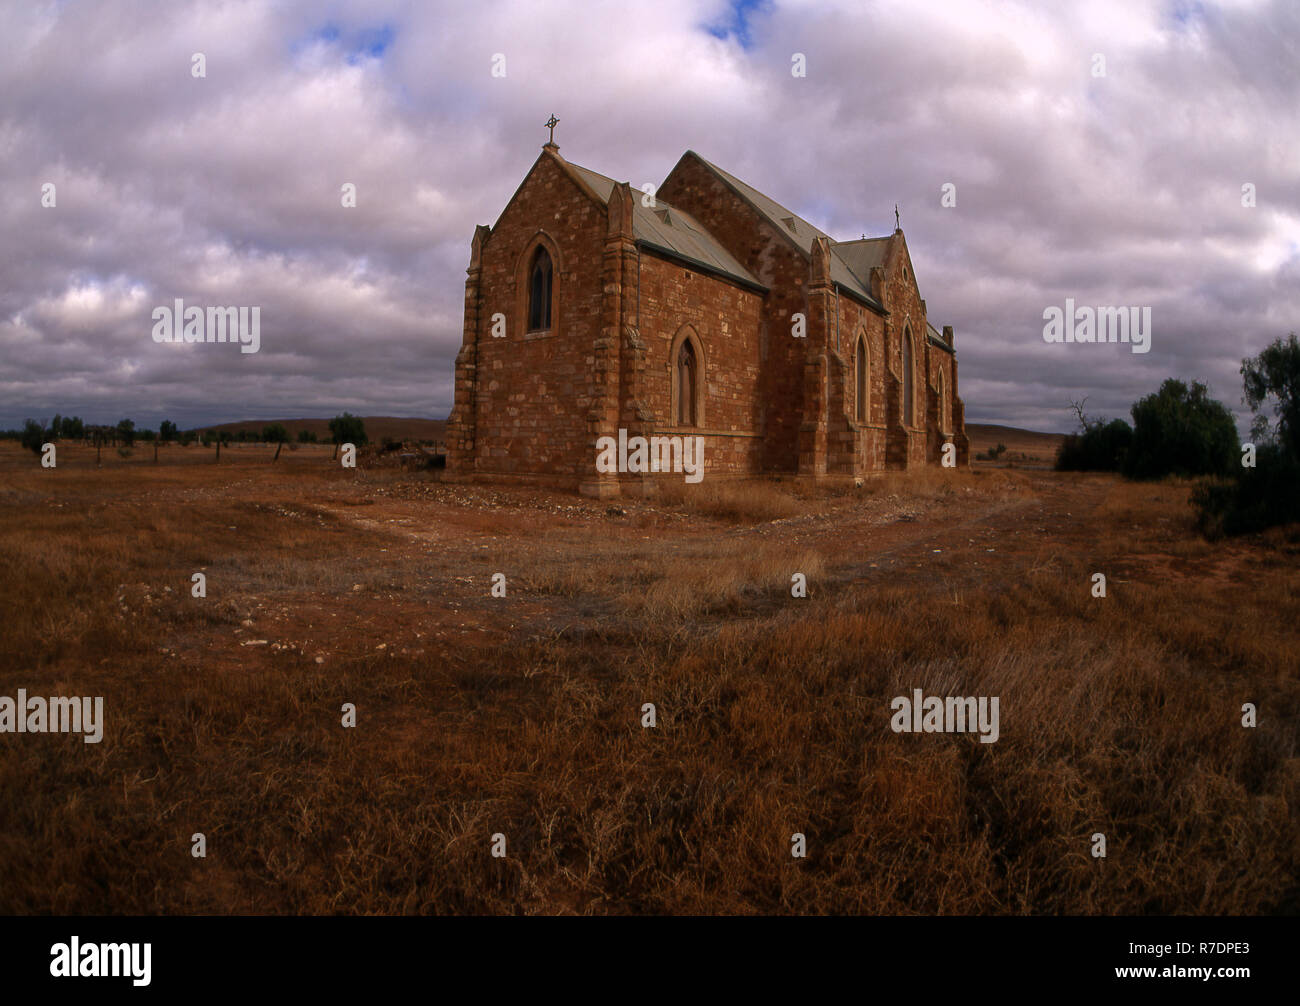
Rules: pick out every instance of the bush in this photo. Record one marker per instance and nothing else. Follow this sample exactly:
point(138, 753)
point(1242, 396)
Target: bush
point(1269, 493)
point(1181, 430)
point(1259, 498)
point(348, 429)
point(1101, 447)
point(33, 436)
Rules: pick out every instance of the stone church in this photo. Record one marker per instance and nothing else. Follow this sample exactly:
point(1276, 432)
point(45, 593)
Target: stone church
point(593, 311)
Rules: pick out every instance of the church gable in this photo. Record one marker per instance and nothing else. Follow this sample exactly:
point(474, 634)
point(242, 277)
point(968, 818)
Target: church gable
point(672, 232)
point(552, 215)
point(779, 223)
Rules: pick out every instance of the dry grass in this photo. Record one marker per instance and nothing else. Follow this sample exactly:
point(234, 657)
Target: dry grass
point(741, 502)
point(522, 716)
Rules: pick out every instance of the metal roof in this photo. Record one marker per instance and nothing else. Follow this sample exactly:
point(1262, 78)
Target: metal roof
point(936, 337)
point(673, 231)
point(862, 256)
point(803, 234)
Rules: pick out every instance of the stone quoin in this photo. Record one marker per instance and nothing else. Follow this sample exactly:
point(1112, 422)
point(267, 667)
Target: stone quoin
point(591, 309)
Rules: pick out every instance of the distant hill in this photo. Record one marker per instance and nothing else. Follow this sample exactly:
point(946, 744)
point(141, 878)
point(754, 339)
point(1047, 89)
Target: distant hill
point(377, 427)
point(1022, 445)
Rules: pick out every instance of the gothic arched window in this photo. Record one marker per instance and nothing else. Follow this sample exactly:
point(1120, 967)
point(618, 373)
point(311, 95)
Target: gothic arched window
point(539, 292)
point(943, 405)
point(687, 384)
point(860, 380)
point(909, 406)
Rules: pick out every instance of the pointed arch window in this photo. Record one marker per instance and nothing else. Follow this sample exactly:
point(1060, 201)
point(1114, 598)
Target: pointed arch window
point(688, 378)
point(860, 376)
point(909, 404)
point(540, 275)
point(943, 405)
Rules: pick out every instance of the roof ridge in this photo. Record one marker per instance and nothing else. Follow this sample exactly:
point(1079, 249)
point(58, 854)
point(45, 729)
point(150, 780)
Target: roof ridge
point(677, 233)
point(745, 185)
point(776, 214)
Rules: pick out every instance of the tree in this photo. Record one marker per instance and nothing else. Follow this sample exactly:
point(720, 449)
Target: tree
point(167, 430)
point(223, 437)
point(276, 434)
point(306, 437)
point(1099, 446)
point(34, 436)
point(347, 429)
point(1181, 430)
point(1268, 493)
point(56, 427)
point(126, 430)
point(99, 434)
point(150, 437)
point(1273, 378)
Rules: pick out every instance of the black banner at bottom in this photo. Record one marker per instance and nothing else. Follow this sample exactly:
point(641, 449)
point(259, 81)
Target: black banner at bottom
point(86, 956)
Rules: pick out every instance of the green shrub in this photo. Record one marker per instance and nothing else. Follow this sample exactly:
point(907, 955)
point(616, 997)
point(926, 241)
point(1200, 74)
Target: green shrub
point(1101, 447)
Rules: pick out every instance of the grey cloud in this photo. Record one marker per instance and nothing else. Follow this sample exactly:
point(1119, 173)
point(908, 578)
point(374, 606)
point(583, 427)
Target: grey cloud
point(1116, 190)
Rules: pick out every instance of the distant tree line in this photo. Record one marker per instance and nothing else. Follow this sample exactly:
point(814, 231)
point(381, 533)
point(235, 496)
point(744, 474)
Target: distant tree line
point(345, 428)
point(1181, 431)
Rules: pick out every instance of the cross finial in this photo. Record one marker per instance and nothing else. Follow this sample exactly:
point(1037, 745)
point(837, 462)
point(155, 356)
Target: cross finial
point(550, 124)
point(897, 227)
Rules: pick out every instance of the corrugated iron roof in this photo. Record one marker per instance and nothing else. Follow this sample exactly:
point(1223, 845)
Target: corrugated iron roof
point(862, 256)
point(673, 231)
point(937, 339)
point(803, 234)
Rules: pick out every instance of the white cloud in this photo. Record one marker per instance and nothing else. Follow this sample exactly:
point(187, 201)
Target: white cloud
point(1116, 190)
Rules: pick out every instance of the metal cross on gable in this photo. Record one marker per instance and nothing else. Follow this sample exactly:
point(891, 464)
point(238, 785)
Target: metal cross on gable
point(550, 124)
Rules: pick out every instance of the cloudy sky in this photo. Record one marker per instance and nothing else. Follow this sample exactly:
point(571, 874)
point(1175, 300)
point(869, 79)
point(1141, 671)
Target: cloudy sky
point(1123, 188)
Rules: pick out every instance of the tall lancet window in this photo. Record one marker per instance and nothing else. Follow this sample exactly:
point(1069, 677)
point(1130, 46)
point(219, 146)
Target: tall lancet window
point(909, 407)
point(539, 292)
point(860, 379)
point(943, 405)
point(687, 384)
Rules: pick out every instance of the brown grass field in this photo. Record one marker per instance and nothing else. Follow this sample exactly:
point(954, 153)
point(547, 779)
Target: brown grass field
point(522, 715)
point(1024, 448)
point(378, 428)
